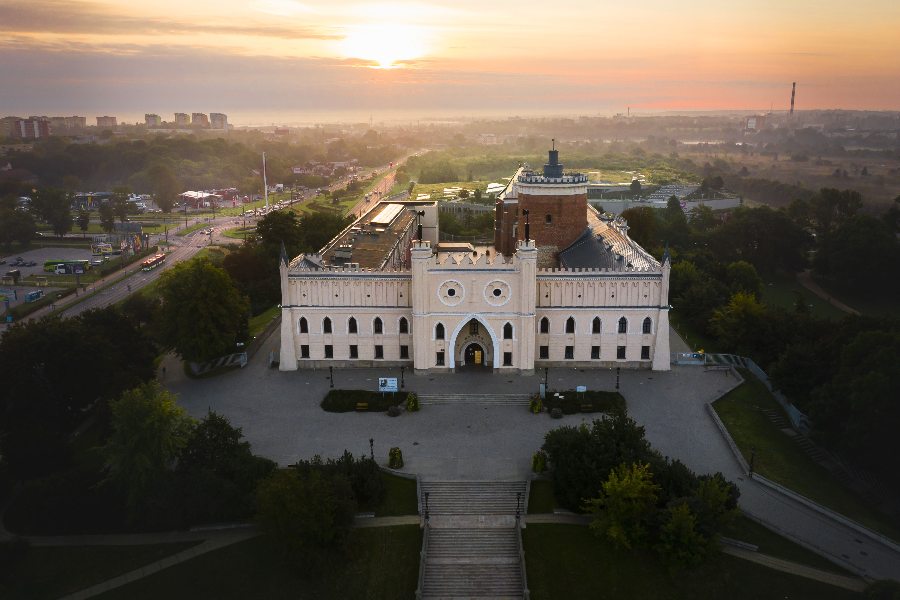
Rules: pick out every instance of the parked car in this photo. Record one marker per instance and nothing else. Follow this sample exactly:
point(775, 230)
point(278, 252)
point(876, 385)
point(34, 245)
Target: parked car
point(15, 273)
point(31, 263)
point(2, 262)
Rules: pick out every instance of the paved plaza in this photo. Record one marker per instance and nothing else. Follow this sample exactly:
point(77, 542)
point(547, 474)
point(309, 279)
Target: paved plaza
point(280, 415)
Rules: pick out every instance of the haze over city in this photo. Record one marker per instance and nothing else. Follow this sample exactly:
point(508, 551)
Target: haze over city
point(281, 60)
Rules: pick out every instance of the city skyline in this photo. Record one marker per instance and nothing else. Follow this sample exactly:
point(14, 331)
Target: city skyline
point(289, 59)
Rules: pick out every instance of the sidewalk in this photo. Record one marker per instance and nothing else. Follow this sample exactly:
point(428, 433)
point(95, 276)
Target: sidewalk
point(855, 584)
point(805, 279)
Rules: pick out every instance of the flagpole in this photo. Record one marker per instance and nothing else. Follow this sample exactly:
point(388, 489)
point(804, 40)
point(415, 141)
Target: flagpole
point(265, 185)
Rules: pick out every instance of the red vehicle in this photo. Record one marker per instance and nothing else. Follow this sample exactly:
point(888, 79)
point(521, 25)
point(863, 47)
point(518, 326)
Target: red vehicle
point(153, 262)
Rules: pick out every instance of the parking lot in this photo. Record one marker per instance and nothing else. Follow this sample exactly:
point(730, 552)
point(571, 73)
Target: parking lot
point(39, 255)
point(20, 294)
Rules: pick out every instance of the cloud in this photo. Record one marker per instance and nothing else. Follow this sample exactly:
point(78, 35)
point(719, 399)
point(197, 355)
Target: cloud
point(283, 8)
point(68, 18)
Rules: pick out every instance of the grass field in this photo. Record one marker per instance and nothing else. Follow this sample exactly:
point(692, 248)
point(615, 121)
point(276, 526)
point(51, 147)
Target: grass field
point(259, 322)
point(781, 460)
point(382, 563)
point(192, 228)
point(697, 340)
point(568, 561)
point(783, 293)
point(540, 498)
point(400, 498)
point(48, 573)
point(870, 303)
point(239, 233)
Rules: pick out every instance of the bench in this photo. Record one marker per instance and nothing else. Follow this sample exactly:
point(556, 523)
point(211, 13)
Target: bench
point(587, 408)
point(362, 406)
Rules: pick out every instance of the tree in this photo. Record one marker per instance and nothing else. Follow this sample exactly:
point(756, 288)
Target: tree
point(251, 185)
point(859, 250)
point(317, 229)
point(891, 217)
point(139, 308)
point(52, 206)
point(300, 511)
point(83, 220)
point(16, 225)
point(280, 227)
point(742, 277)
point(680, 544)
point(832, 207)
point(149, 431)
point(71, 183)
point(635, 185)
point(202, 316)
point(798, 210)
point(166, 186)
point(107, 218)
point(767, 239)
point(641, 225)
point(624, 512)
point(703, 218)
point(119, 201)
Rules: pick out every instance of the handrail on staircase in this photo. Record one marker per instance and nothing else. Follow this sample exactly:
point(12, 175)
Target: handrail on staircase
point(526, 594)
point(422, 556)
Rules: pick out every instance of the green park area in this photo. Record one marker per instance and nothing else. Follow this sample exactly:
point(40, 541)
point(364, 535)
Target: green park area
point(780, 459)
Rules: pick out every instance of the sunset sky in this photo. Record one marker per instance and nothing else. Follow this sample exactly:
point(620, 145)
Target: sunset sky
point(291, 60)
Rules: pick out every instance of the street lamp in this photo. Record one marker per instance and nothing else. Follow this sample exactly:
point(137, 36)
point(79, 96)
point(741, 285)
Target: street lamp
point(402, 383)
point(372, 447)
point(618, 369)
point(752, 456)
point(331, 376)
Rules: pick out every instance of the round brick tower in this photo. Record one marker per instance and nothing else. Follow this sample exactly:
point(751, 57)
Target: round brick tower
point(557, 208)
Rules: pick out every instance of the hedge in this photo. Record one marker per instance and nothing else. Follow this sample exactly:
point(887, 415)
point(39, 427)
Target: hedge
point(571, 401)
point(346, 400)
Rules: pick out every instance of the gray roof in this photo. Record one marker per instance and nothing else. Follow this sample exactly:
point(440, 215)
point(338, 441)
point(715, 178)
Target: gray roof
point(606, 245)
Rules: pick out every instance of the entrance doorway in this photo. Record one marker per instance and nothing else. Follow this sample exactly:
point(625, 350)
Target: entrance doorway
point(474, 355)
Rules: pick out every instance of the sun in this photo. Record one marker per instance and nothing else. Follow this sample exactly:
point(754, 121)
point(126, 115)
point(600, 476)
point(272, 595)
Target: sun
point(384, 43)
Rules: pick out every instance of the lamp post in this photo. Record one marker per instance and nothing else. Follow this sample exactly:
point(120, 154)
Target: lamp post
point(752, 456)
point(617, 376)
point(402, 383)
point(426, 506)
point(372, 447)
point(331, 376)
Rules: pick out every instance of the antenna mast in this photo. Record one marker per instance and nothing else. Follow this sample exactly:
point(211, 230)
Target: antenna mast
point(793, 93)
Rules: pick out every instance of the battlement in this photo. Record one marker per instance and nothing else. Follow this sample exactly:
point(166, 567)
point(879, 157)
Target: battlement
point(576, 272)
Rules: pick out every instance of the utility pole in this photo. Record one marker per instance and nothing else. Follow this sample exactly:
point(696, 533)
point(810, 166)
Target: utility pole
point(265, 184)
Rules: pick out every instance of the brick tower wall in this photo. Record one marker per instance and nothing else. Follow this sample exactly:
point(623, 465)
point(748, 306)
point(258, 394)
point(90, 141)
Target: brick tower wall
point(568, 218)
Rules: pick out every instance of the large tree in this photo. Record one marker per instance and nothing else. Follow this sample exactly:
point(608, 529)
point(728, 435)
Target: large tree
point(52, 206)
point(862, 249)
point(166, 186)
point(831, 207)
point(641, 225)
point(119, 201)
point(149, 430)
point(767, 239)
point(16, 226)
point(203, 315)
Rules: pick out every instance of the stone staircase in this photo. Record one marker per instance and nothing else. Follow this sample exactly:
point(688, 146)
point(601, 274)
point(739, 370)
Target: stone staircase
point(472, 549)
point(483, 399)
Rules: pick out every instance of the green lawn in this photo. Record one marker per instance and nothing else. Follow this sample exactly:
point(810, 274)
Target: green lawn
point(868, 303)
point(259, 322)
point(568, 561)
point(781, 460)
point(771, 543)
point(239, 233)
point(540, 497)
point(48, 573)
point(783, 294)
point(194, 227)
point(400, 498)
point(696, 339)
point(382, 563)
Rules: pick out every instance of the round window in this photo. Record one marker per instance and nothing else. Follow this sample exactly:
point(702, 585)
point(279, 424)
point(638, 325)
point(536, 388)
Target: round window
point(451, 292)
point(497, 292)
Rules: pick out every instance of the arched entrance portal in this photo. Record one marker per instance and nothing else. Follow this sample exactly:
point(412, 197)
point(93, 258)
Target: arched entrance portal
point(474, 345)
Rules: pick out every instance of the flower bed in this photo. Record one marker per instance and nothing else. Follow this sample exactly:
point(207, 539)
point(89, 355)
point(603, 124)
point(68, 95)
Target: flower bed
point(346, 400)
point(572, 401)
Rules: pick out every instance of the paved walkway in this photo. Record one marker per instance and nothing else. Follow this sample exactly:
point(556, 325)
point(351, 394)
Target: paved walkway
point(805, 279)
point(855, 584)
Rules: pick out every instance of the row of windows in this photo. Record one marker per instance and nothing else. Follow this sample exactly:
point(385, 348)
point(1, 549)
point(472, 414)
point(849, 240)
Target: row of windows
point(439, 332)
point(569, 353)
point(353, 327)
point(597, 325)
point(354, 351)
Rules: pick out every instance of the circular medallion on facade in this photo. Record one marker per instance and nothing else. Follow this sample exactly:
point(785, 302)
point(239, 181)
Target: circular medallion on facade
point(497, 293)
point(451, 292)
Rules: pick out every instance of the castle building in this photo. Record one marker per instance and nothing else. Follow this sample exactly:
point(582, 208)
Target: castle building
point(561, 286)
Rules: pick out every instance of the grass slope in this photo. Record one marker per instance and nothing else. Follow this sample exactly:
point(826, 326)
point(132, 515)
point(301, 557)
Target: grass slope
point(383, 564)
point(48, 573)
point(568, 561)
point(781, 460)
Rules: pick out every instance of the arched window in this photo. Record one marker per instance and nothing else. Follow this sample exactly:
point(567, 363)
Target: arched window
point(549, 220)
point(623, 325)
point(304, 326)
point(439, 331)
point(545, 325)
point(648, 325)
point(351, 325)
point(508, 331)
point(596, 326)
point(376, 325)
point(326, 325)
point(404, 325)
point(570, 325)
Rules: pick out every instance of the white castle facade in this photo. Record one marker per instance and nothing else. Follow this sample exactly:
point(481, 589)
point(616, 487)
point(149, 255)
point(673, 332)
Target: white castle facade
point(577, 293)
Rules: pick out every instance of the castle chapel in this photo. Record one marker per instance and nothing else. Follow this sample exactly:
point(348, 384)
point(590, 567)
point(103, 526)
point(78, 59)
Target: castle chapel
point(561, 286)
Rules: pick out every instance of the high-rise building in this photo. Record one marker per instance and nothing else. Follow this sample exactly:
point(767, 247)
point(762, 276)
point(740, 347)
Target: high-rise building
point(76, 122)
point(7, 127)
point(218, 121)
point(182, 120)
point(58, 124)
point(200, 120)
point(32, 127)
point(152, 120)
point(106, 122)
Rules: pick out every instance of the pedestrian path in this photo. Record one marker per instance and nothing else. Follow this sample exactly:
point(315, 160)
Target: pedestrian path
point(855, 584)
point(805, 279)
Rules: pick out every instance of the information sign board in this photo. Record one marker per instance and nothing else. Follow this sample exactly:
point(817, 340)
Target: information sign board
point(386, 384)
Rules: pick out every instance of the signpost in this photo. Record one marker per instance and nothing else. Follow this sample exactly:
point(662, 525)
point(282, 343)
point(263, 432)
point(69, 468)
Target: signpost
point(387, 384)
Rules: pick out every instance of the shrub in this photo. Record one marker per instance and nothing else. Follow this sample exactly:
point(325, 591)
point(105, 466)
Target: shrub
point(680, 544)
point(556, 413)
point(624, 512)
point(571, 401)
point(412, 402)
point(535, 405)
point(883, 589)
point(362, 473)
point(539, 462)
point(393, 411)
point(395, 458)
point(346, 400)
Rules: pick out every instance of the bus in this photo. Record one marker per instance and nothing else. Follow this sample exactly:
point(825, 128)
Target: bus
point(153, 262)
point(50, 265)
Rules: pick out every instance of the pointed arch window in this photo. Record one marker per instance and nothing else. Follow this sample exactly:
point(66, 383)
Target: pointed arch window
point(439, 331)
point(351, 326)
point(648, 325)
point(326, 325)
point(376, 326)
point(596, 325)
point(508, 331)
point(623, 325)
point(545, 325)
point(304, 325)
point(570, 325)
point(404, 325)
